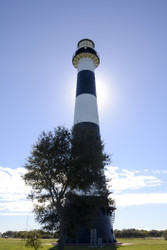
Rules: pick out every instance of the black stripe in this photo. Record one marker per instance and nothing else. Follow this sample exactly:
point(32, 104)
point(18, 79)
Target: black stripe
point(89, 125)
point(86, 50)
point(86, 83)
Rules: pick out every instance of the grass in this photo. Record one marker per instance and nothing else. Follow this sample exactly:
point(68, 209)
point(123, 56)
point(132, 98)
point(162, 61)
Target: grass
point(136, 244)
point(144, 244)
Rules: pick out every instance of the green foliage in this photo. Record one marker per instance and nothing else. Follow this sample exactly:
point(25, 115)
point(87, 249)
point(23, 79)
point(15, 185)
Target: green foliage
point(23, 234)
point(165, 235)
point(89, 160)
point(62, 166)
point(136, 233)
point(33, 240)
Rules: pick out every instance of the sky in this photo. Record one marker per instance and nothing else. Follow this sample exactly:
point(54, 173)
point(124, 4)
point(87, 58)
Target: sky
point(37, 93)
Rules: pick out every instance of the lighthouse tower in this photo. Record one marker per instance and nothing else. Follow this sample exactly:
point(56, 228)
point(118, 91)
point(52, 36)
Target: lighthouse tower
point(86, 60)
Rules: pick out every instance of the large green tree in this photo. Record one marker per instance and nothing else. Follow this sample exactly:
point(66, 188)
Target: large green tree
point(62, 166)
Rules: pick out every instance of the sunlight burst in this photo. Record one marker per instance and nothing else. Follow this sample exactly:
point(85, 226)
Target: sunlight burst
point(103, 92)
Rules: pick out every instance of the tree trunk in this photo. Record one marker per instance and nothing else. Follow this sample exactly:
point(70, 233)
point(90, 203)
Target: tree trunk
point(61, 236)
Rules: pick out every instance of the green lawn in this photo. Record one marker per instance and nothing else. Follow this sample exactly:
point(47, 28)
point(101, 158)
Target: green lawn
point(136, 244)
point(143, 244)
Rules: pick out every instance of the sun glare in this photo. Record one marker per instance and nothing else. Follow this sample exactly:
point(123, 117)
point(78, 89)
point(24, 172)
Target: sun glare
point(102, 91)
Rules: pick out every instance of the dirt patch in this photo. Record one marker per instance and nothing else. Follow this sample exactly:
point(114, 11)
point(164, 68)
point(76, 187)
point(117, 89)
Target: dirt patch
point(125, 244)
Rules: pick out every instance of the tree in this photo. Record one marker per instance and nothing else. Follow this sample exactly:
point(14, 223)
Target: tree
point(62, 165)
point(165, 234)
point(33, 240)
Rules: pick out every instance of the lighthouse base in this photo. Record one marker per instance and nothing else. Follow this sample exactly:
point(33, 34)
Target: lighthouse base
point(100, 233)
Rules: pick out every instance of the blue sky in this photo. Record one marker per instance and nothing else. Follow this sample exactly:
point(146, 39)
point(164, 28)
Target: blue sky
point(37, 93)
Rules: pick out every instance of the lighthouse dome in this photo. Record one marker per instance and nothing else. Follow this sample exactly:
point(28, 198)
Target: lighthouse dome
point(86, 43)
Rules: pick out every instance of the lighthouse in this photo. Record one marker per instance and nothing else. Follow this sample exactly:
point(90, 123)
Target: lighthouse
point(86, 60)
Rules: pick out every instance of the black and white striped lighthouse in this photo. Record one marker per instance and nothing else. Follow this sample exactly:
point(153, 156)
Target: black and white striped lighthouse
point(86, 60)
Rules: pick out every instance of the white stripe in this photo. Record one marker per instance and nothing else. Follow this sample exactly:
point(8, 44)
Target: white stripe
point(86, 109)
point(86, 63)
